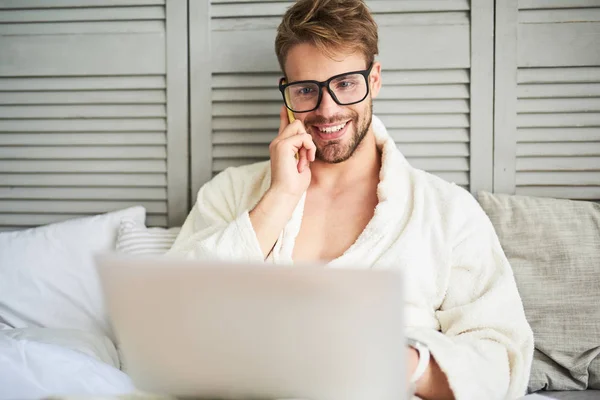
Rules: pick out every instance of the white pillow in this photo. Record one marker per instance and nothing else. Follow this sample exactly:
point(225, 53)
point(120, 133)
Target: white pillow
point(96, 346)
point(39, 364)
point(48, 277)
point(135, 238)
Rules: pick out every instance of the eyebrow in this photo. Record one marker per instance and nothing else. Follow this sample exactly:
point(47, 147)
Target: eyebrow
point(332, 76)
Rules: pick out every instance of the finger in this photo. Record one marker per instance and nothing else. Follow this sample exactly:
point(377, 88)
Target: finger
point(283, 119)
point(297, 142)
point(295, 128)
point(303, 161)
point(312, 150)
point(310, 147)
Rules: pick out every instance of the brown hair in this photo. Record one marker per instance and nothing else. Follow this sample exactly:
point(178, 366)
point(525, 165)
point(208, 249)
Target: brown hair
point(331, 26)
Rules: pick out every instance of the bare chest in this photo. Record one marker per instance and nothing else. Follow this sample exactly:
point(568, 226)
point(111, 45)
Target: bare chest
point(331, 225)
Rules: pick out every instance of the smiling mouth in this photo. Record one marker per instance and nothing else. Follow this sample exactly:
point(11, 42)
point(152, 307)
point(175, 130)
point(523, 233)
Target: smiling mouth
point(332, 129)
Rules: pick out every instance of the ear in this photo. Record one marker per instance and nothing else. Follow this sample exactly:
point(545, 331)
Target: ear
point(375, 79)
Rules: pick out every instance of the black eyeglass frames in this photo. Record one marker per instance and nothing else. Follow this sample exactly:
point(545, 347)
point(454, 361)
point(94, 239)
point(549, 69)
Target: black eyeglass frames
point(345, 89)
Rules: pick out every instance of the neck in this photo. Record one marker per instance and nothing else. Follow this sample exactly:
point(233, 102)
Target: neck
point(365, 163)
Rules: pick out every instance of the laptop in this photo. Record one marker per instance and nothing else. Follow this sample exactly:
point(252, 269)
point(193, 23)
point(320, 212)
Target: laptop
point(240, 331)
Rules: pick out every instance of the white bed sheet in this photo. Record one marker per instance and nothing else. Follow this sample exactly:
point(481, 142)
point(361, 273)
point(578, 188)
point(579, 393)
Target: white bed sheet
point(39, 362)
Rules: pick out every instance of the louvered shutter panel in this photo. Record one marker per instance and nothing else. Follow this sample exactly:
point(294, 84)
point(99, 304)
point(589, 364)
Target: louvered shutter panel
point(92, 109)
point(425, 51)
point(549, 129)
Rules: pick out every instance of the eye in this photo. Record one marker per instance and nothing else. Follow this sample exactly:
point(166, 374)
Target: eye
point(304, 91)
point(345, 84)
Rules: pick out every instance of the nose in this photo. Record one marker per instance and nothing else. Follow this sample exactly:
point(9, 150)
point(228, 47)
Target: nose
point(328, 106)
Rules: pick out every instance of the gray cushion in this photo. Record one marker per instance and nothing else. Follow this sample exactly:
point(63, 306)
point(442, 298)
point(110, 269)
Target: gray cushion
point(554, 249)
point(574, 395)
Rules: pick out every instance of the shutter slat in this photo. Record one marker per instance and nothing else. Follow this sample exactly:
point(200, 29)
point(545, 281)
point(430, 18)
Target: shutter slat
point(559, 178)
point(423, 18)
point(83, 14)
point(83, 138)
point(81, 83)
point(71, 193)
point(85, 97)
point(82, 111)
point(82, 152)
point(558, 135)
point(84, 166)
point(558, 164)
point(76, 206)
point(41, 218)
point(549, 4)
point(421, 106)
point(558, 105)
point(559, 15)
point(8, 4)
point(559, 149)
point(425, 92)
point(558, 75)
point(425, 77)
point(65, 28)
point(430, 135)
point(432, 121)
point(79, 125)
point(84, 180)
point(246, 80)
point(554, 90)
point(558, 120)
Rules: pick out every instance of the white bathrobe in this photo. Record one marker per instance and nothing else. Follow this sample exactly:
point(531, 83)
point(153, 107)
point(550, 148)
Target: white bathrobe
point(461, 299)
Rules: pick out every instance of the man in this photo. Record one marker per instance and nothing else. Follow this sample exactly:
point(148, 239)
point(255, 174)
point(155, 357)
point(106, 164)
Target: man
point(337, 190)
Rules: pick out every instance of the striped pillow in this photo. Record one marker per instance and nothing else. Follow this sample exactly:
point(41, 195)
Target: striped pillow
point(135, 238)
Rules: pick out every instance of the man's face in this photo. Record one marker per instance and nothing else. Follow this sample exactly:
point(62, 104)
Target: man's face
point(334, 145)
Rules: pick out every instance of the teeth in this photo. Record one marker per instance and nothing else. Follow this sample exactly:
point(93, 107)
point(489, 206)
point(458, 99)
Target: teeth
point(332, 129)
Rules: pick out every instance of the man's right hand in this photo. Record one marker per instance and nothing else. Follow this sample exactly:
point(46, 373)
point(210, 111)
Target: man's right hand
point(291, 175)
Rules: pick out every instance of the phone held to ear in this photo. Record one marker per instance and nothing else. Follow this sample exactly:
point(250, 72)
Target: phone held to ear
point(291, 119)
point(289, 112)
point(290, 115)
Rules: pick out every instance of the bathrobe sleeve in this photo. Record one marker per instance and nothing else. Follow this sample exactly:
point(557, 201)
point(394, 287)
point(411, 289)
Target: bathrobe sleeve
point(485, 346)
point(219, 226)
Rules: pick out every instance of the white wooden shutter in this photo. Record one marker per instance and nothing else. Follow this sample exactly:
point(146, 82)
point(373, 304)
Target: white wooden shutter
point(93, 109)
point(425, 50)
point(548, 93)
